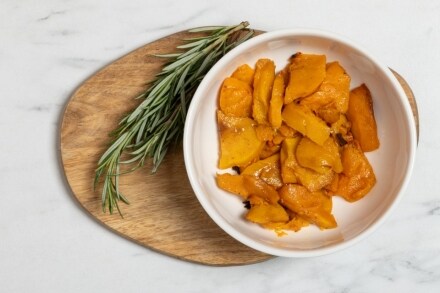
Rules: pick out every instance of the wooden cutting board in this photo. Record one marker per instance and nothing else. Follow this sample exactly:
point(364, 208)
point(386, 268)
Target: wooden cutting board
point(164, 214)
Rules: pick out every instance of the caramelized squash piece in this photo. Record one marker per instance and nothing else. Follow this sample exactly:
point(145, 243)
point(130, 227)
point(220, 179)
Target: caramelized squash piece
point(342, 125)
point(361, 114)
point(295, 223)
point(236, 98)
point(332, 188)
point(307, 72)
point(264, 132)
point(292, 172)
point(303, 120)
point(328, 113)
point(288, 160)
point(256, 168)
point(267, 169)
point(239, 144)
point(319, 158)
point(287, 131)
point(277, 101)
point(332, 94)
point(268, 150)
point(258, 187)
point(341, 131)
point(255, 200)
point(267, 213)
point(263, 81)
point(314, 206)
point(358, 177)
point(244, 73)
point(312, 180)
point(272, 175)
point(233, 184)
point(278, 139)
point(229, 122)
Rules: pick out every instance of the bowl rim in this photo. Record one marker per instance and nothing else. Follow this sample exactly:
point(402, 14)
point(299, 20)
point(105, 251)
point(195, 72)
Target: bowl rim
point(189, 125)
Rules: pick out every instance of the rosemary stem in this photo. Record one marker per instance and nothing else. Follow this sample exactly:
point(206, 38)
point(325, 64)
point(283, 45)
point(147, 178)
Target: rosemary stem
point(150, 128)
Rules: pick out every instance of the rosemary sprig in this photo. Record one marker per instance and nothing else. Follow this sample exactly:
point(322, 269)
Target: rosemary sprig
point(158, 121)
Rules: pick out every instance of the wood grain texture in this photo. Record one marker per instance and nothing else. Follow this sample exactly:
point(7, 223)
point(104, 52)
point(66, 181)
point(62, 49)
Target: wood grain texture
point(411, 98)
point(164, 214)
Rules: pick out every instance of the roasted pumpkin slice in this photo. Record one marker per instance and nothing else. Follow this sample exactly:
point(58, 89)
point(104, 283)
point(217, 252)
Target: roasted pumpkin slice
point(244, 73)
point(258, 187)
point(314, 206)
point(307, 72)
point(277, 101)
point(319, 158)
point(267, 169)
point(267, 213)
point(268, 150)
point(263, 82)
point(361, 114)
point(292, 172)
point(232, 183)
point(239, 144)
point(295, 223)
point(236, 98)
point(358, 177)
point(303, 120)
point(332, 94)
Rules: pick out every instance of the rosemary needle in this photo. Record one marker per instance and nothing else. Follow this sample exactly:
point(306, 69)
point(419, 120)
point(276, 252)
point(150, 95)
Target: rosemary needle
point(148, 131)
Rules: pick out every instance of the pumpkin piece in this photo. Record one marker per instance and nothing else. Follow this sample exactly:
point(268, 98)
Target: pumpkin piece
point(328, 113)
point(342, 125)
point(244, 73)
point(263, 82)
point(319, 158)
point(272, 175)
point(358, 177)
point(324, 219)
point(267, 213)
point(312, 180)
point(267, 169)
point(236, 98)
point(292, 172)
point(361, 115)
point(332, 95)
point(268, 150)
point(314, 206)
point(294, 224)
point(332, 188)
point(264, 132)
point(255, 200)
point(278, 139)
point(258, 187)
point(288, 159)
point(256, 168)
point(233, 184)
point(341, 131)
point(341, 83)
point(286, 131)
point(229, 122)
point(277, 101)
point(332, 147)
point(307, 72)
point(239, 144)
point(303, 120)
point(327, 202)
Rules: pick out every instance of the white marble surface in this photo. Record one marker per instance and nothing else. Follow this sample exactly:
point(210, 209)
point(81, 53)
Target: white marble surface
point(48, 244)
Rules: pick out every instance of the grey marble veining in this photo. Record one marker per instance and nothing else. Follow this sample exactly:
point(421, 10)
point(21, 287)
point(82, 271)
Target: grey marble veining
point(48, 244)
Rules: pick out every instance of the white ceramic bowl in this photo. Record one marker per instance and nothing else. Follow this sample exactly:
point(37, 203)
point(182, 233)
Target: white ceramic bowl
point(392, 162)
